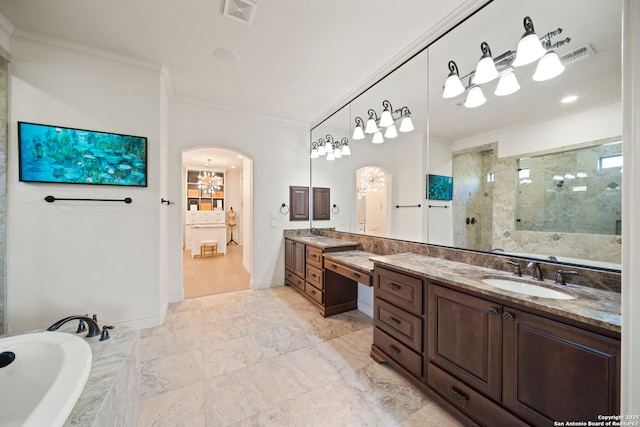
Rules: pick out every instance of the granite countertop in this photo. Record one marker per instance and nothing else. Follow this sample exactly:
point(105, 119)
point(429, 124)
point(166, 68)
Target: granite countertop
point(359, 260)
point(322, 242)
point(591, 306)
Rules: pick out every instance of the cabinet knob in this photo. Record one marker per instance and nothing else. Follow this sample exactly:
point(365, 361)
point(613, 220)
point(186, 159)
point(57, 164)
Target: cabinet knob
point(394, 320)
point(507, 316)
point(355, 275)
point(393, 349)
point(393, 286)
point(493, 311)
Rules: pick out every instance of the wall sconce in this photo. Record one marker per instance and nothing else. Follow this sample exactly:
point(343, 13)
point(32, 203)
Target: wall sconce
point(331, 148)
point(387, 121)
point(530, 49)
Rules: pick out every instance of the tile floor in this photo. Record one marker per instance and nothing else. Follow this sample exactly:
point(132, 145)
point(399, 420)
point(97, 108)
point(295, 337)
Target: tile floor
point(267, 358)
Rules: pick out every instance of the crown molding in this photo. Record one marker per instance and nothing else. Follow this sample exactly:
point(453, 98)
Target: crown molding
point(442, 27)
point(210, 105)
point(5, 25)
point(84, 49)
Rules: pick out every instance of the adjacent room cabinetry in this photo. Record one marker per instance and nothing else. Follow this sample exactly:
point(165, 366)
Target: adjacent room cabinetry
point(491, 361)
point(204, 200)
point(332, 293)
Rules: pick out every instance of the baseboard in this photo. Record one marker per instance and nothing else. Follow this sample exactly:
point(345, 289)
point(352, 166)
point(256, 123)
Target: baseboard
point(365, 308)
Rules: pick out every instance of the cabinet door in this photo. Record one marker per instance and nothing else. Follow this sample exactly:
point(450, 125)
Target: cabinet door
point(299, 259)
point(557, 372)
point(466, 338)
point(289, 254)
point(321, 203)
point(298, 203)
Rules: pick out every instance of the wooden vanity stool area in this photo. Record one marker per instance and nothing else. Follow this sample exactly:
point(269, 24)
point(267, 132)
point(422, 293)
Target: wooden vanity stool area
point(490, 361)
point(325, 286)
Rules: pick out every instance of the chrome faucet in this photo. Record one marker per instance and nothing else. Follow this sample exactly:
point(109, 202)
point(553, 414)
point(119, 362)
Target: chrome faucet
point(94, 329)
point(535, 269)
point(560, 279)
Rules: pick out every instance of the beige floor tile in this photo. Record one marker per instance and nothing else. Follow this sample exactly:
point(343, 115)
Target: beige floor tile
point(169, 373)
point(168, 343)
point(335, 404)
point(278, 417)
point(229, 355)
point(348, 353)
point(431, 415)
point(183, 407)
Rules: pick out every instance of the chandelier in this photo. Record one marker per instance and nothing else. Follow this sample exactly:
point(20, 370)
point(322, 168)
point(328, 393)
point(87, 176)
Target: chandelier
point(370, 180)
point(209, 181)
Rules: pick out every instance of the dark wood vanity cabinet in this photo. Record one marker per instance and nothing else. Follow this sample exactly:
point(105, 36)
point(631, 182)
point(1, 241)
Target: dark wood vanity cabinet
point(555, 372)
point(305, 271)
point(492, 362)
point(399, 321)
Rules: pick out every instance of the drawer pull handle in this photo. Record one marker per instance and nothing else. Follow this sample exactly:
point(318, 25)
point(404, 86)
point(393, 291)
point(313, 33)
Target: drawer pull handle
point(313, 292)
point(393, 349)
point(459, 396)
point(507, 316)
point(314, 256)
point(393, 286)
point(355, 275)
point(315, 276)
point(394, 320)
point(334, 266)
point(493, 311)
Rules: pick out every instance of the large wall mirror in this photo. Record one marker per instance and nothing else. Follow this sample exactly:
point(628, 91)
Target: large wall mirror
point(484, 147)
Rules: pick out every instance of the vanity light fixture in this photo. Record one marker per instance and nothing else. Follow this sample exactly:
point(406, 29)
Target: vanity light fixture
point(530, 49)
point(475, 98)
point(386, 123)
point(452, 86)
point(330, 147)
point(358, 131)
point(486, 68)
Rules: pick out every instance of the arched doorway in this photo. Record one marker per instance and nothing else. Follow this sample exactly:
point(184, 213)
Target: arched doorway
point(373, 194)
point(216, 221)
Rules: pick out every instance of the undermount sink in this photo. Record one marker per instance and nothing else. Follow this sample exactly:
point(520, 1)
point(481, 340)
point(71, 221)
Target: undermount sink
point(525, 288)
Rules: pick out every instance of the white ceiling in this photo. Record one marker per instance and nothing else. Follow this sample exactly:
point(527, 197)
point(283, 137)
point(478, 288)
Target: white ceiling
point(296, 59)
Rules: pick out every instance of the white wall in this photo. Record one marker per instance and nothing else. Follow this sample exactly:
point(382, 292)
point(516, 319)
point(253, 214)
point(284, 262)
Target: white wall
point(84, 257)
point(279, 151)
point(585, 126)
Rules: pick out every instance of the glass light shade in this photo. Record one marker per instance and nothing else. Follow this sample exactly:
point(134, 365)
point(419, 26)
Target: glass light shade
point(346, 151)
point(406, 125)
point(507, 84)
point(529, 50)
point(386, 119)
point(328, 147)
point(337, 153)
point(452, 87)
point(371, 126)
point(330, 156)
point(391, 132)
point(485, 71)
point(314, 153)
point(377, 138)
point(358, 133)
point(321, 151)
point(475, 98)
point(548, 67)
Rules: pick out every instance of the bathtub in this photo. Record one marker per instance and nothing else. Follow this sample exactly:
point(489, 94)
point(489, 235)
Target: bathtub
point(45, 379)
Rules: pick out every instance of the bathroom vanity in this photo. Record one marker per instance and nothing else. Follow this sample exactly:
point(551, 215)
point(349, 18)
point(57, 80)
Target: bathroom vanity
point(492, 356)
point(331, 286)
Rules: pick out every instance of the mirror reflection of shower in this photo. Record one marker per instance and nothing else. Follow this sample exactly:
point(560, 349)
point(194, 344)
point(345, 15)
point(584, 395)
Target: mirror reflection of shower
point(373, 192)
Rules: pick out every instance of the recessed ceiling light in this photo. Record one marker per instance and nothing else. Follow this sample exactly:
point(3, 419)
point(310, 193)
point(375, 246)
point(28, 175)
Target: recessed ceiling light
point(225, 55)
point(233, 166)
point(569, 99)
point(239, 156)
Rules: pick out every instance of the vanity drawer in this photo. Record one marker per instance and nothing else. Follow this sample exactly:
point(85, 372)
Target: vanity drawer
point(403, 326)
point(399, 352)
point(314, 276)
point(399, 289)
point(294, 280)
point(314, 256)
point(473, 404)
point(313, 292)
point(345, 271)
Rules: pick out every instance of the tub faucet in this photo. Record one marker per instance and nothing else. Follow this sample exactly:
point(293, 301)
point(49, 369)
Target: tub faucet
point(94, 329)
point(535, 268)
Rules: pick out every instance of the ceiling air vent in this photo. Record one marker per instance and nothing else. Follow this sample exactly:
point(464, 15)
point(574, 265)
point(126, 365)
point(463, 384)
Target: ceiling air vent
point(240, 10)
point(577, 54)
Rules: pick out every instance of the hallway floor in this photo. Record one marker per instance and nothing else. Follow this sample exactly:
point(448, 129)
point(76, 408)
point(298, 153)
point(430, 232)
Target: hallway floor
point(214, 275)
point(267, 358)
